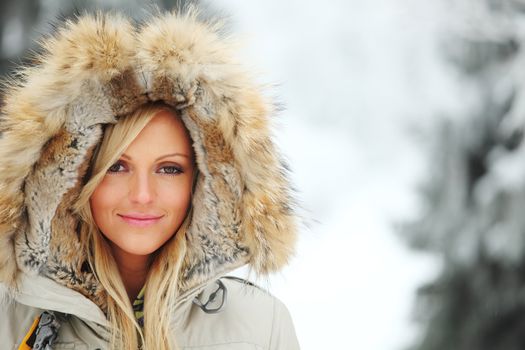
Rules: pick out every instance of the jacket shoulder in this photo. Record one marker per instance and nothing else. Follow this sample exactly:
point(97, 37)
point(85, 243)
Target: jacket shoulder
point(16, 321)
point(237, 314)
point(267, 315)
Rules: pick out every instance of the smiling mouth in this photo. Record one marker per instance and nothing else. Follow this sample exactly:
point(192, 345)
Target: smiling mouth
point(140, 222)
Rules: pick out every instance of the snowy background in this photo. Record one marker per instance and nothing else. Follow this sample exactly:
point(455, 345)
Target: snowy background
point(361, 81)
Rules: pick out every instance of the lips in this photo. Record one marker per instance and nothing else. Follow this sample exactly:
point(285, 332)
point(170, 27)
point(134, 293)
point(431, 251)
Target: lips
point(140, 220)
point(138, 216)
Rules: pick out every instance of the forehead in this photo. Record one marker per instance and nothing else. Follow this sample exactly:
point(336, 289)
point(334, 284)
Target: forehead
point(164, 133)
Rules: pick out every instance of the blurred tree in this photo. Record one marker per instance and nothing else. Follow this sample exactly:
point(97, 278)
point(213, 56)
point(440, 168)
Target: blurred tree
point(16, 21)
point(474, 218)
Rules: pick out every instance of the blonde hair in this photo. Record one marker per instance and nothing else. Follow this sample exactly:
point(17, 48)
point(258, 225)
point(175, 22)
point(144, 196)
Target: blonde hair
point(161, 282)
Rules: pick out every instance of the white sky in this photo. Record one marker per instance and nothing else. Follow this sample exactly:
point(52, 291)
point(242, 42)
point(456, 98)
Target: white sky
point(358, 78)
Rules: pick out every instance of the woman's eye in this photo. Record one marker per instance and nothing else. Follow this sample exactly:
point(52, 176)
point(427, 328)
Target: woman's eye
point(115, 168)
point(170, 170)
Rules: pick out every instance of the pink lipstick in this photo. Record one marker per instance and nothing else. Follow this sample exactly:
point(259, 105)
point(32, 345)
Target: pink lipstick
point(140, 220)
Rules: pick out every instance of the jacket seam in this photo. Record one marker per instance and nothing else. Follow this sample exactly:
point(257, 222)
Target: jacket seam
point(51, 308)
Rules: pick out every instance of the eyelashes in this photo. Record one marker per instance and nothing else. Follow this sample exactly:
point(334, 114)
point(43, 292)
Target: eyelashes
point(170, 170)
point(115, 168)
point(173, 170)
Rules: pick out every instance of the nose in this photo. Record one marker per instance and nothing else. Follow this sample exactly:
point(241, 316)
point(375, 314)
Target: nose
point(141, 188)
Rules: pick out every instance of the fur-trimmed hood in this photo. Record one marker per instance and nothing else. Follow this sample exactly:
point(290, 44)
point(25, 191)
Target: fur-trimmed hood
point(99, 68)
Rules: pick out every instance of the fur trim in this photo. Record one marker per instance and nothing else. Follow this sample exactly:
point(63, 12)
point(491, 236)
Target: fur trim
point(100, 68)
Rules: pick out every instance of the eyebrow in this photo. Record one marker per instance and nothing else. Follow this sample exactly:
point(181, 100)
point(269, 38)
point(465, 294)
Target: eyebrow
point(124, 155)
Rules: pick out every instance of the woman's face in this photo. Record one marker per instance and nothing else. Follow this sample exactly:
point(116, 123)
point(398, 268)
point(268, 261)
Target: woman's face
point(144, 197)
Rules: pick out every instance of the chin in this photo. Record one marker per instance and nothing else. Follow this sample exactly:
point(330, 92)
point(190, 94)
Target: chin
point(133, 247)
point(141, 250)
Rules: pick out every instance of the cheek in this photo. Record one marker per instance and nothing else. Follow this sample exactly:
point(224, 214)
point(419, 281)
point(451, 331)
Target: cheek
point(178, 197)
point(103, 199)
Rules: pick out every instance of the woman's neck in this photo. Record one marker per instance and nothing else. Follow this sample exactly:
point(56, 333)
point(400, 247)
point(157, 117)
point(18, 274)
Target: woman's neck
point(133, 270)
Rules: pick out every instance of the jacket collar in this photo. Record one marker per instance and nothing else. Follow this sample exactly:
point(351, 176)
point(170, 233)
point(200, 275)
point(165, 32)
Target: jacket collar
point(46, 294)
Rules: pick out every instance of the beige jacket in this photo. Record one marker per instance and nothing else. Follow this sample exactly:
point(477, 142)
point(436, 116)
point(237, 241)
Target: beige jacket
point(249, 318)
point(91, 72)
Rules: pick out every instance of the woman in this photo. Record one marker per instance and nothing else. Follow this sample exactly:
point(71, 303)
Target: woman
point(137, 170)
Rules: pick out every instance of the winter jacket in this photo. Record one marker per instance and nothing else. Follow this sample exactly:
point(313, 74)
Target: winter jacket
point(91, 72)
